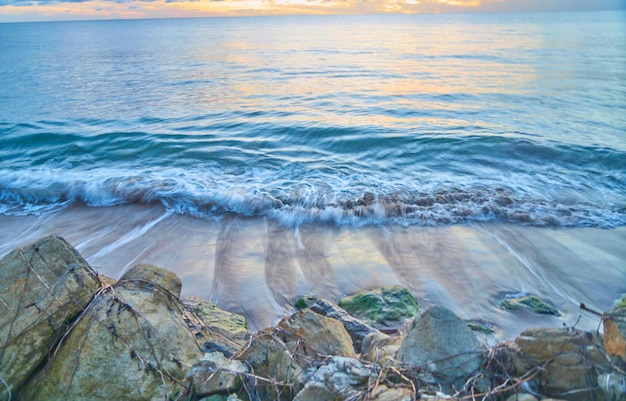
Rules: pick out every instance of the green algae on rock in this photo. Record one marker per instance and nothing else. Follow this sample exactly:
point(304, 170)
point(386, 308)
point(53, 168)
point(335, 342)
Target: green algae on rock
point(382, 308)
point(621, 303)
point(305, 301)
point(230, 322)
point(480, 326)
point(531, 302)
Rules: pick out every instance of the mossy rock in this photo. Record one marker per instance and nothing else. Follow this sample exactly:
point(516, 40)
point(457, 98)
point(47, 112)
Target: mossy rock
point(209, 312)
point(480, 326)
point(531, 302)
point(385, 307)
point(305, 301)
point(621, 303)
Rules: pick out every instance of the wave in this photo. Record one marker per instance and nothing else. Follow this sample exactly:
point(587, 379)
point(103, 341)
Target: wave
point(213, 194)
point(300, 172)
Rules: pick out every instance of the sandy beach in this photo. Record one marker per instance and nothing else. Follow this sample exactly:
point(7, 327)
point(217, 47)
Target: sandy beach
point(257, 267)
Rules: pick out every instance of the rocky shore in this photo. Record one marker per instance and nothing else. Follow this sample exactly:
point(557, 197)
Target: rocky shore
point(67, 333)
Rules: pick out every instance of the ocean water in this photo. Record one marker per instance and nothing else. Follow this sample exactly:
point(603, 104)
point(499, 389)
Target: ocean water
point(349, 120)
point(462, 156)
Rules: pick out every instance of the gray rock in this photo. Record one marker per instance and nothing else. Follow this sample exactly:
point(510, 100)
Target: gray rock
point(355, 327)
point(338, 380)
point(131, 343)
point(214, 374)
point(441, 342)
point(43, 287)
point(383, 308)
point(613, 386)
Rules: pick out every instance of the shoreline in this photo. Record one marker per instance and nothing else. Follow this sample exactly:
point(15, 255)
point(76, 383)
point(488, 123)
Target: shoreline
point(257, 268)
point(60, 315)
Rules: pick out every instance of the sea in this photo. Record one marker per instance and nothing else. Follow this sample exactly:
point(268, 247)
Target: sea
point(310, 145)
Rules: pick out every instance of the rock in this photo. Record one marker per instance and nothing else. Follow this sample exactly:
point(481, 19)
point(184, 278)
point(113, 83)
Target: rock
point(569, 359)
point(106, 280)
point(614, 324)
point(214, 374)
point(305, 302)
point(312, 336)
point(441, 342)
point(131, 343)
point(221, 397)
point(338, 380)
point(480, 326)
point(149, 276)
point(215, 330)
point(522, 397)
point(380, 348)
point(356, 328)
point(229, 322)
point(43, 288)
point(621, 302)
point(385, 393)
point(613, 386)
point(382, 308)
point(280, 375)
point(531, 302)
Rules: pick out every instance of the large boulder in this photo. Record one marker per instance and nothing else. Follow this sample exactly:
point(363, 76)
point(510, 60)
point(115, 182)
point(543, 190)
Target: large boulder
point(43, 288)
point(444, 345)
point(131, 343)
point(384, 308)
point(569, 362)
point(312, 336)
point(356, 328)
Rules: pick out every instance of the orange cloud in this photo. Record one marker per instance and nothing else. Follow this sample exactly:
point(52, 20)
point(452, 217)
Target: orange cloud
point(15, 10)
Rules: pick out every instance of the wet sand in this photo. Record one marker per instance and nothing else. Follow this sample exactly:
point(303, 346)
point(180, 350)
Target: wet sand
point(257, 267)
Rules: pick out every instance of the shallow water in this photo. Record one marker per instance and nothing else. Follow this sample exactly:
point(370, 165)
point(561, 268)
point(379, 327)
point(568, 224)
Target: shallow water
point(257, 267)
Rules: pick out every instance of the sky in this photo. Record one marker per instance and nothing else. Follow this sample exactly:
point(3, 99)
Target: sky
point(62, 10)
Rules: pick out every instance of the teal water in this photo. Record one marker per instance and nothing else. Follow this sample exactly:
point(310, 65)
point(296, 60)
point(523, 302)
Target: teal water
point(348, 120)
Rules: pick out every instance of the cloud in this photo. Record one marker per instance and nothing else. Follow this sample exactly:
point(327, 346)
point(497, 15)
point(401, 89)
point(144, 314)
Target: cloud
point(31, 10)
